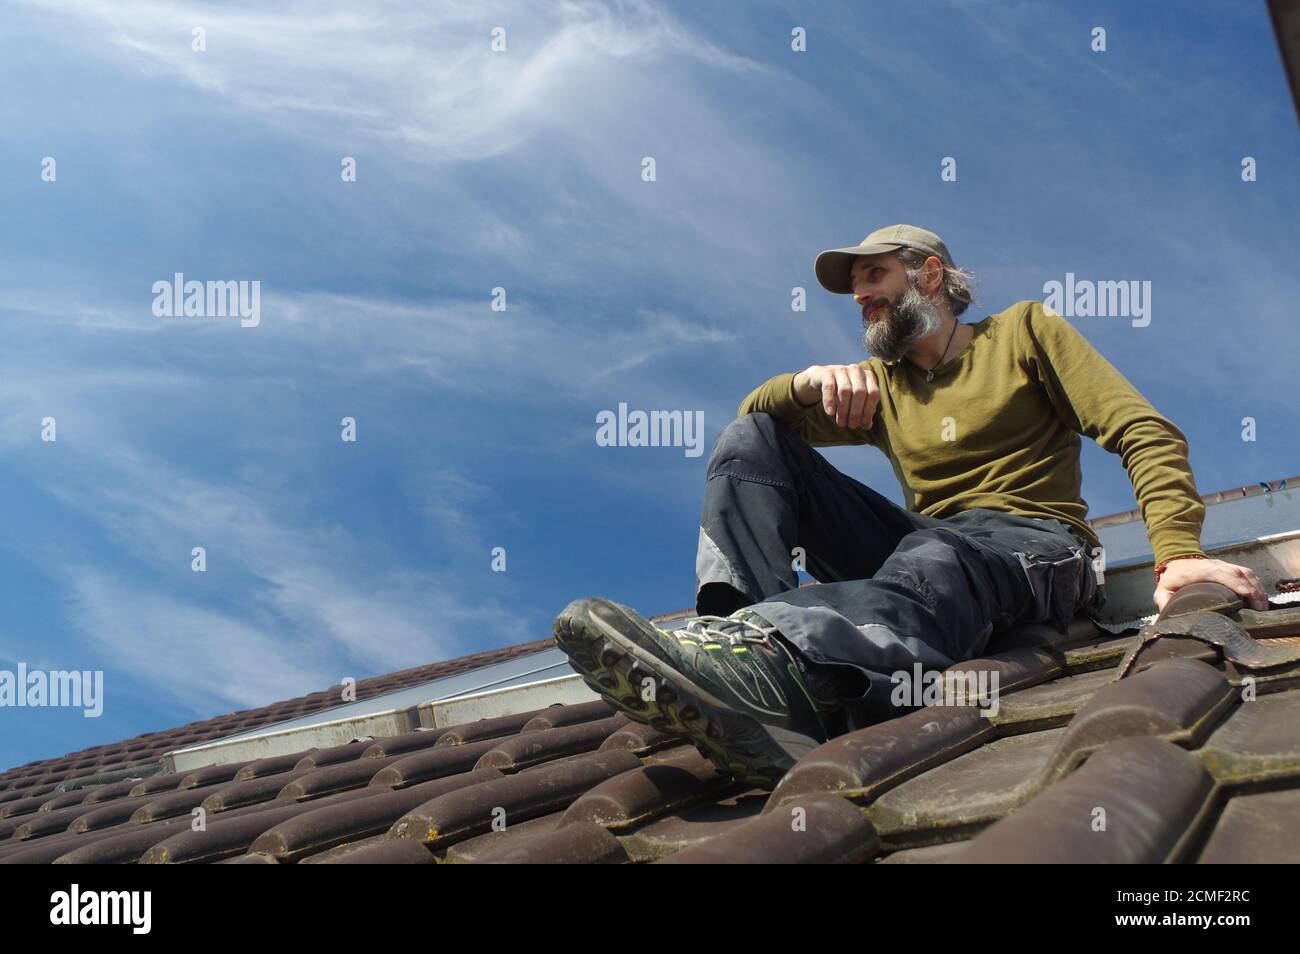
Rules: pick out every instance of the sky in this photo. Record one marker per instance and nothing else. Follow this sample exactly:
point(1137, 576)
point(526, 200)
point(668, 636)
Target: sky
point(522, 169)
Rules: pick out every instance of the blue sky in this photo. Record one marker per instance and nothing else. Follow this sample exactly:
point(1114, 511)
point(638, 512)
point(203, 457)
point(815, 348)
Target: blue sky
point(522, 169)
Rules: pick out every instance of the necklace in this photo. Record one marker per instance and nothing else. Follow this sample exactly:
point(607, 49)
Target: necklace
point(929, 375)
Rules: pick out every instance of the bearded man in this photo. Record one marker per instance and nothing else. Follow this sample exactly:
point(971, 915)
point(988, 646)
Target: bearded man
point(981, 422)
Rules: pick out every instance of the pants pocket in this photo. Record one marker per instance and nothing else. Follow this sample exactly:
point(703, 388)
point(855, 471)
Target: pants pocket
point(1061, 580)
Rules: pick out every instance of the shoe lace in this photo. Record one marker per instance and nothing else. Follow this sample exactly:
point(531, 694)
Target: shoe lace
point(731, 629)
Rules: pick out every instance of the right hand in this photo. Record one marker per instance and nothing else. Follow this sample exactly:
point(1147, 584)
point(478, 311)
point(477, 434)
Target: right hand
point(848, 392)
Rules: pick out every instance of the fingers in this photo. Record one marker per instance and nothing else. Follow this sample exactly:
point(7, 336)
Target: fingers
point(843, 393)
point(858, 401)
point(1240, 579)
point(1252, 590)
point(830, 397)
point(850, 394)
point(873, 397)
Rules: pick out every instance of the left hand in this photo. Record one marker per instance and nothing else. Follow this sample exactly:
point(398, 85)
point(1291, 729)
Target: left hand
point(1241, 580)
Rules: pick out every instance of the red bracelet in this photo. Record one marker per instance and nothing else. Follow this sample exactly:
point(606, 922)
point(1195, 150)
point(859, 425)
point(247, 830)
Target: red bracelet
point(1188, 556)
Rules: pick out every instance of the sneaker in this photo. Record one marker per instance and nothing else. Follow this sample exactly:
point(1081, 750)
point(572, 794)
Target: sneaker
point(728, 684)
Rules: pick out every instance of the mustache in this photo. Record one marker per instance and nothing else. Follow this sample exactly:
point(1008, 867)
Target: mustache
point(873, 303)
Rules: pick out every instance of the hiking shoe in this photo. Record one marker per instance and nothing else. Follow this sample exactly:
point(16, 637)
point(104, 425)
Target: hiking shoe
point(727, 683)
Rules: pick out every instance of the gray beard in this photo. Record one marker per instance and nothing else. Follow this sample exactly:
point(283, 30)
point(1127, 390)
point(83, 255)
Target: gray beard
point(910, 319)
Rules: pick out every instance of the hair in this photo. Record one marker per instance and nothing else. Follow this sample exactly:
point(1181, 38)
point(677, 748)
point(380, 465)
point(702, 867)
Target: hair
point(956, 285)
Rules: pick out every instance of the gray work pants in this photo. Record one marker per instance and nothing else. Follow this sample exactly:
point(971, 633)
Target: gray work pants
point(897, 588)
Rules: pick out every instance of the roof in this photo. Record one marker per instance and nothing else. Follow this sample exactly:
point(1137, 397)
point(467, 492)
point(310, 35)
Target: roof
point(1070, 747)
point(580, 783)
point(43, 776)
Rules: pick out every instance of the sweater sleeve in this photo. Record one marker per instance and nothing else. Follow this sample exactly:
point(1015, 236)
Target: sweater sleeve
point(1094, 399)
point(776, 397)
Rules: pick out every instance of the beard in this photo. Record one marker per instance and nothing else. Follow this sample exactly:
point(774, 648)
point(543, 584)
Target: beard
point(907, 321)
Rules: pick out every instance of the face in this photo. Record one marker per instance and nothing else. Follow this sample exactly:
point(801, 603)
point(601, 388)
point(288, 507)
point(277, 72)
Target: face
point(895, 314)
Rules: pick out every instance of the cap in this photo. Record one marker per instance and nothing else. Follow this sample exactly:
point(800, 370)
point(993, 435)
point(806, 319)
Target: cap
point(833, 265)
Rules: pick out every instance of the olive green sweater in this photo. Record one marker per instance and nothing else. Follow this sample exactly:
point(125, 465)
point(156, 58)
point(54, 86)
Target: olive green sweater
point(999, 428)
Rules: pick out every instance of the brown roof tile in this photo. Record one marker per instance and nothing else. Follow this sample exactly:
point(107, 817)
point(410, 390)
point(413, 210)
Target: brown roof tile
point(1212, 744)
point(1258, 828)
point(583, 843)
point(533, 792)
point(819, 829)
point(325, 826)
point(1176, 699)
point(1137, 800)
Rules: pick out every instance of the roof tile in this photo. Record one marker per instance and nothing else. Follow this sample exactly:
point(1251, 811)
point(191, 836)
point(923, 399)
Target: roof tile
point(338, 754)
point(414, 741)
point(232, 833)
point(275, 765)
point(398, 852)
point(433, 763)
point(1258, 828)
point(337, 778)
point(864, 763)
point(555, 717)
point(940, 783)
point(250, 792)
point(1016, 668)
point(532, 748)
point(632, 797)
point(1259, 741)
point(966, 793)
point(1176, 699)
point(582, 844)
point(1050, 704)
point(1137, 800)
point(471, 849)
point(329, 825)
point(540, 791)
point(640, 738)
point(691, 826)
point(818, 829)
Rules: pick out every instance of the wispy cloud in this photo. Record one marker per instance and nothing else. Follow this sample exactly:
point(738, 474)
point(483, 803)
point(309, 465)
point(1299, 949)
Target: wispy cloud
point(405, 72)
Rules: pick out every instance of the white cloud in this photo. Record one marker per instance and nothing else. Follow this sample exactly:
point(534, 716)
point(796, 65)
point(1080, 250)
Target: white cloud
point(190, 656)
point(303, 599)
point(420, 75)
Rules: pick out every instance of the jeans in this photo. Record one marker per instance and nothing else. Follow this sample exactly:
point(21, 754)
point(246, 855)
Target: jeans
point(897, 588)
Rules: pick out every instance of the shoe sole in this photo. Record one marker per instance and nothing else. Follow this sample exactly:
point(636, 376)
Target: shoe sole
point(738, 745)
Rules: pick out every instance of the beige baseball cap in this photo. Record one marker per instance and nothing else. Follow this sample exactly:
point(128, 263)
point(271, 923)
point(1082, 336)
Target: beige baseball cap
point(833, 265)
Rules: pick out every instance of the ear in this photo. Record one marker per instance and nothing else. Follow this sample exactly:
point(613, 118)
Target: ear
point(932, 273)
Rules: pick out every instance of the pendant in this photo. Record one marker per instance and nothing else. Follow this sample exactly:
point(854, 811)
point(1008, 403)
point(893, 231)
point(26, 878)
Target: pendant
point(929, 375)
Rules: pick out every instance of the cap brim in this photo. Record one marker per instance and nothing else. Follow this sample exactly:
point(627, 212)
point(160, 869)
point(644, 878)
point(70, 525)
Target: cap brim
point(834, 265)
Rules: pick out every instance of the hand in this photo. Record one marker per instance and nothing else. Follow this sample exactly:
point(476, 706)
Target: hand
point(848, 392)
point(1241, 580)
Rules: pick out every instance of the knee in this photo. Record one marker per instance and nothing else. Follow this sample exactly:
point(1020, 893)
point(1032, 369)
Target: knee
point(748, 445)
point(930, 554)
point(926, 543)
point(753, 422)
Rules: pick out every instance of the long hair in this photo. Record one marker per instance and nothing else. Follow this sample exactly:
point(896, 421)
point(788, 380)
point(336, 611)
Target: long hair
point(956, 285)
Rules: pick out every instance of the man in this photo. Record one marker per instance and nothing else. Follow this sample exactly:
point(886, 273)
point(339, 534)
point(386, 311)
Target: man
point(981, 423)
